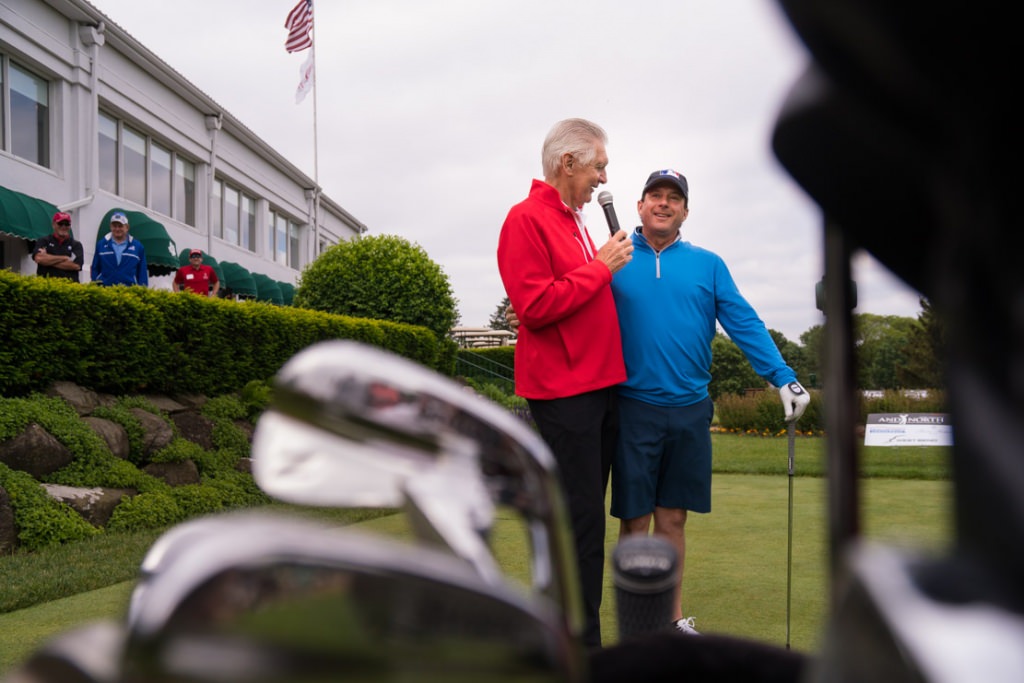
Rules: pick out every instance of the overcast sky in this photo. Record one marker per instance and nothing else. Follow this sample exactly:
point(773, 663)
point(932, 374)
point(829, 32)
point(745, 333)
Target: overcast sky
point(431, 113)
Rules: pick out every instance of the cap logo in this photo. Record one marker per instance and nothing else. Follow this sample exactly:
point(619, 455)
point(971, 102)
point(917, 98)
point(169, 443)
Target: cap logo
point(671, 172)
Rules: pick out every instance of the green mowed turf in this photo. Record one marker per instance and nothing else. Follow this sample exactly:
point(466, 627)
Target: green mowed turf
point(735, 570)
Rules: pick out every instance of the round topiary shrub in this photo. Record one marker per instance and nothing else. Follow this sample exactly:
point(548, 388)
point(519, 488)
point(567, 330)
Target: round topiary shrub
point(381, 277)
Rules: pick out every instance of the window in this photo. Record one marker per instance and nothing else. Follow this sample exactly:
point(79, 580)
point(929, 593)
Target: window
point(248, 225)
point(293, 246)
point(184, 191)
point(231, 202)
point(108, 144)
point(25, 114)
point(147, 172)
point(285, 240)
point(216, 219)
point(160, 178)
point(134, 166)
point(234, 215)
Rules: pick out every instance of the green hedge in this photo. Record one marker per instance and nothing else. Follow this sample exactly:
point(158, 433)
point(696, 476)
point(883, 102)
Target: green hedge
point(761, 412)
point(124, 340)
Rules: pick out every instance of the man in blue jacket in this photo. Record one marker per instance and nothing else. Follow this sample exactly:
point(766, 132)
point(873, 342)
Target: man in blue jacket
point(120, 259)
point(668, 299)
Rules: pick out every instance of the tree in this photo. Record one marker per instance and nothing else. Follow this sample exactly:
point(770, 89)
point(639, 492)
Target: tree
point(793, 354)
point(730, 371)
point(813, 341)
point(881, 348)
point(383, 277)
point(926, 351)
point(498, 321)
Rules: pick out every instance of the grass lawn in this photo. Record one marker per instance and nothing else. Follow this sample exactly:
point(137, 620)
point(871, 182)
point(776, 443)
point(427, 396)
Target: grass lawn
point(735, 574)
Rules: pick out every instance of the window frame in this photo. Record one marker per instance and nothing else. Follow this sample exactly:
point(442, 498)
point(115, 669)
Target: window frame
point(179, 208)
point(44, 140)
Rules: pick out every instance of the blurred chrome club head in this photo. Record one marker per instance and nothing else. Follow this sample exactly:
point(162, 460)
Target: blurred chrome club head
point(351, 425)
point(255, 597)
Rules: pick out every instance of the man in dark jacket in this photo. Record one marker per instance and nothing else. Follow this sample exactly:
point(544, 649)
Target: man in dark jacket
point(59, 254)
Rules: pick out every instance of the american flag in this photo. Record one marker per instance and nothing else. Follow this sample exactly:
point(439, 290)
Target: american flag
point(300, 25)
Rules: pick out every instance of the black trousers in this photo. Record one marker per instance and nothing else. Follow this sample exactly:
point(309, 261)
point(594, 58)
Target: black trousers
point(581, 432)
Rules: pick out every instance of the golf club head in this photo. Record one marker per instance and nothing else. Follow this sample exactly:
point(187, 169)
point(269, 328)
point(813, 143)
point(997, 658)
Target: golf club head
point(351, 425)
point(86, 654)
point(257, 597)
point(907, 617)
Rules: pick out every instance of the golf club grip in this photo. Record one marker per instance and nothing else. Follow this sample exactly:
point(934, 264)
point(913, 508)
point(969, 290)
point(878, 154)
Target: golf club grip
point(645, 571)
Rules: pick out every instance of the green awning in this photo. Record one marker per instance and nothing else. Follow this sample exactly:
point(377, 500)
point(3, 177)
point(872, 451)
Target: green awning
point(207, 260)
point(238, 280)
point(161, 252)
point(287, 292)
point(267, 289)
point(24, 216)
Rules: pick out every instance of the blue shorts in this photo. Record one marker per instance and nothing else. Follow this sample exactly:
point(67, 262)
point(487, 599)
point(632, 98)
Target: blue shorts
point(663, 458)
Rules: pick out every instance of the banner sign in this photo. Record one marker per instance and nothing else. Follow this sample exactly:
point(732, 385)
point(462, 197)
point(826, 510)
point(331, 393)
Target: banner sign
point(908, 429)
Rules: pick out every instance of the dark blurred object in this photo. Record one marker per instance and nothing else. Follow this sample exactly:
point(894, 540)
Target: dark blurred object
point(901, 131)
point(645, 571)
point(674, 658)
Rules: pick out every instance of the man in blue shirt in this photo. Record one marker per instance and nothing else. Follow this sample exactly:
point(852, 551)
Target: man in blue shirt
point(120, 259)
point(668, 300)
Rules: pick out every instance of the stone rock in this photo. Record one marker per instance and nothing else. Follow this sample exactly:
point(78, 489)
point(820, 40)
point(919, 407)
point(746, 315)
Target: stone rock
point(174, 473)
point(95, 505)
point(35, 451)
point(193, 401)
point(83, 400)
point(165, 403)
point(194, 427)
point(8, 532)
point(113, 433)
point(157, 432)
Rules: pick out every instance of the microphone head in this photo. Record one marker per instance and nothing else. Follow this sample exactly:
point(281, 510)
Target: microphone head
point(604, 198)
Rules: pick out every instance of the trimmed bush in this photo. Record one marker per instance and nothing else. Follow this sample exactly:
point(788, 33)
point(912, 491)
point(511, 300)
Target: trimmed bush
point(146, 511)
point(385, 277)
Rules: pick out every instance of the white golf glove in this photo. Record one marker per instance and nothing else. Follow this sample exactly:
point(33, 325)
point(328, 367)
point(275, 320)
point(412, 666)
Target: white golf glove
point(794, 400)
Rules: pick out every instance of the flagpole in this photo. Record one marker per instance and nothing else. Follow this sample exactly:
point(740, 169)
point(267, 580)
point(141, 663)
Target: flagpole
point(316, 163)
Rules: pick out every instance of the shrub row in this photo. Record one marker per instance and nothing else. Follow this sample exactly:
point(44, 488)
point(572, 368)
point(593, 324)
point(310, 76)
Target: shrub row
point(761, 412)
point(125, 340)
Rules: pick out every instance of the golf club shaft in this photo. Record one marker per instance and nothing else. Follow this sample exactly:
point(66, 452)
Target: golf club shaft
point(791, 429)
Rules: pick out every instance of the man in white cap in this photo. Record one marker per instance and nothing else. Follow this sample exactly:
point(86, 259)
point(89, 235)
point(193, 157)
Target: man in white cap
point(120, 259)
point(59, 254)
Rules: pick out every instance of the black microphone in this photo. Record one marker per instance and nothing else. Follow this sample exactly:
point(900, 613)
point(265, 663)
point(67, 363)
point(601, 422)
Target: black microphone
point(605, 200)
point(645, 571)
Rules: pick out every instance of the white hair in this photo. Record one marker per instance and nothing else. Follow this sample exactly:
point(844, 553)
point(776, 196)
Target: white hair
point(571, 136)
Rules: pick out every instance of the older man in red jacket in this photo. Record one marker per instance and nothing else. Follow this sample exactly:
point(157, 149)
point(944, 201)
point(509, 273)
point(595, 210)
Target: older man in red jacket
point(568, 352)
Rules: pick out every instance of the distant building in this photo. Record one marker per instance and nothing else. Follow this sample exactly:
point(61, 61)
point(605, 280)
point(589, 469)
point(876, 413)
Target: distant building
point(92, 121)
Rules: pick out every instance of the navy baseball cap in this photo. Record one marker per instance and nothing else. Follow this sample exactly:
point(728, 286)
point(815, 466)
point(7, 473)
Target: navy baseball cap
point(671, 177)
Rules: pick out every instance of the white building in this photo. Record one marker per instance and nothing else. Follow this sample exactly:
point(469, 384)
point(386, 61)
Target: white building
point(92, 121)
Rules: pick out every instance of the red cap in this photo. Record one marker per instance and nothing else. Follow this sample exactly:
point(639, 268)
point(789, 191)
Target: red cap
point(61, 216)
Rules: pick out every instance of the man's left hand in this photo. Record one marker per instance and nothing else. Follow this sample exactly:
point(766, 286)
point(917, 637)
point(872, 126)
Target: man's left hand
point(794, 400)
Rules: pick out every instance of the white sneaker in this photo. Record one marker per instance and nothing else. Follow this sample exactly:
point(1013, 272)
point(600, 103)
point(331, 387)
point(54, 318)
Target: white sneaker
point(685, 626)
